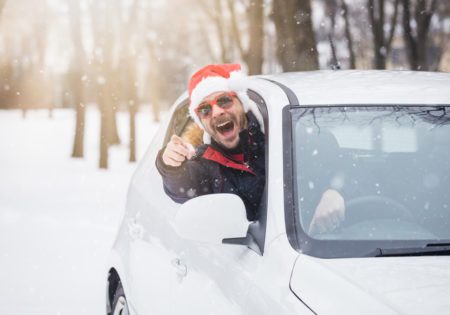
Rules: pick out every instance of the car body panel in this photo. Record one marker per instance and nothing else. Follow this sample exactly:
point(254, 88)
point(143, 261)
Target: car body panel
point(269, 293)
point(387, 285)
point(367, 87)
point(275, 99)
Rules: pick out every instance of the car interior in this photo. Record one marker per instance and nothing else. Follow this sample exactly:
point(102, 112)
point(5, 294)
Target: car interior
point(402, 186)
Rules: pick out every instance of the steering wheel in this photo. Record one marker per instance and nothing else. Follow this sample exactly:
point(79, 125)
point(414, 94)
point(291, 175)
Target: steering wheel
point(373, 207)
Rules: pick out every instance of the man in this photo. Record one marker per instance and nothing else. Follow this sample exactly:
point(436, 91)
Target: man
point(234, 160)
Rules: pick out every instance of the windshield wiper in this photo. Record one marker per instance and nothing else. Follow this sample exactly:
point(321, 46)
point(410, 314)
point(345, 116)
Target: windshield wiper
point(431, 249)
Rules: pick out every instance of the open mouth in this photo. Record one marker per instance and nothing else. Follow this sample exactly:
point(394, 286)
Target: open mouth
point(226, 128)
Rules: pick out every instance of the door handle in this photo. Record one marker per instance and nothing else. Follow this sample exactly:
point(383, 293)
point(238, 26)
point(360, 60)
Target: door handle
point(180, 267)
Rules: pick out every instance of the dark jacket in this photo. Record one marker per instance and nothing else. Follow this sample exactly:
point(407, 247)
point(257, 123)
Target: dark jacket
point(214, 169)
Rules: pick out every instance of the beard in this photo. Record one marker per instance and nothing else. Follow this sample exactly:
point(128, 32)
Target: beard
point(225, 129)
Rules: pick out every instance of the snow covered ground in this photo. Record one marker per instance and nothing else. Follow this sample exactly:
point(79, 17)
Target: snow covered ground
point(59, 215)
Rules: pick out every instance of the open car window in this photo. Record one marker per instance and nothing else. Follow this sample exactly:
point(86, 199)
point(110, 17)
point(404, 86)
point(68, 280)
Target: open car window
point(179, 121)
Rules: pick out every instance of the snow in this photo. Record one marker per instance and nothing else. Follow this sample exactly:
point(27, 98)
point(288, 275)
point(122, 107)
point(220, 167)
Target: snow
point(367, 86)
point(59, 215)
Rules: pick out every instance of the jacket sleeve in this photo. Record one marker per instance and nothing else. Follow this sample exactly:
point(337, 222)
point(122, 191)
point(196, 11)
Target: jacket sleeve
point(184, 182)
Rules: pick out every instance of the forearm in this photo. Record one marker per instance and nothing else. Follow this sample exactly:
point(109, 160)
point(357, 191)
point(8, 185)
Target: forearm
point(180, 183)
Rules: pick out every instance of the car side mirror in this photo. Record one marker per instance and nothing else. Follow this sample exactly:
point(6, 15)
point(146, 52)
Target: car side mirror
point(212, 218)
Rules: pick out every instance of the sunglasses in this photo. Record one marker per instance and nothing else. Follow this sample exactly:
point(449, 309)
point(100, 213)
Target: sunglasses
point(204, 110)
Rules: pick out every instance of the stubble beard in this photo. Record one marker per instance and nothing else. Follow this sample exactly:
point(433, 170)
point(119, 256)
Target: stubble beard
point(239, 124)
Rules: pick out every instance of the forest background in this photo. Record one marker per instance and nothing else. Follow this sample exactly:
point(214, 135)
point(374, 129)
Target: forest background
point(122, 55)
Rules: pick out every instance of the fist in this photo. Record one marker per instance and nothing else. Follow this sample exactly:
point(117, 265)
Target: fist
point(329, 213)
point(177, 151)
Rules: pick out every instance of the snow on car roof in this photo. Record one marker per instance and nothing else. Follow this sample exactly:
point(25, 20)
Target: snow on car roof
point(367, 86)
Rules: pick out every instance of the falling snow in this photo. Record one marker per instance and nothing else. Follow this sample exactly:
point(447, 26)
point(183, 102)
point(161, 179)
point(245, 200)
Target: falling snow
point(58, 215)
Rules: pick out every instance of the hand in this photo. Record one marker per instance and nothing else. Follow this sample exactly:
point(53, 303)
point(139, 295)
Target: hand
point(177, 151)
point(330, 212)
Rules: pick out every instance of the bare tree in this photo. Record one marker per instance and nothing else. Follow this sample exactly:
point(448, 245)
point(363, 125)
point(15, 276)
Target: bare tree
point(296, 43)
point(75, 78)
point(154, 75)
point(417, 44)
point(215, 11)
point(331, 7)
point(129, 66)
point(254, 55)
point(348, 35)
point(381, 43)
point(229, 31)
point(2, 4)
point(107, 76)
point(440, 37)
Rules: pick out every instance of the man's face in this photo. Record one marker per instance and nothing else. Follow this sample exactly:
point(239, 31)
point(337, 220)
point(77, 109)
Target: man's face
point(224, 124)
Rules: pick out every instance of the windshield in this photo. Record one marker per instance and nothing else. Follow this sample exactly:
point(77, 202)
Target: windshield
point(391, 164)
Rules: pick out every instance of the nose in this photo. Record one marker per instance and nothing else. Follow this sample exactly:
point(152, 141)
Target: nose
point(217, 110)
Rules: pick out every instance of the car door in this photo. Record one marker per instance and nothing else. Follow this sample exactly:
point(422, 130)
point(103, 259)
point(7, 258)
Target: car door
point(147, 227)
point(216, 278)
point(150, 253)
point(166, 270)
point(176, 276)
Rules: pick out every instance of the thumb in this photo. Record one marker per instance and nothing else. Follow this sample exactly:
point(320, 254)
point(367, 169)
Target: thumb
point(191, 150)
point(176, 139)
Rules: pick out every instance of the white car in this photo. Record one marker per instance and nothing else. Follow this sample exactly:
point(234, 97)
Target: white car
point(380, 138)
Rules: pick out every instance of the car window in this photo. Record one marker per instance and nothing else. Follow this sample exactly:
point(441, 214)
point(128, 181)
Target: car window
point(179, 121)
point(387, 134)
point(390, 163)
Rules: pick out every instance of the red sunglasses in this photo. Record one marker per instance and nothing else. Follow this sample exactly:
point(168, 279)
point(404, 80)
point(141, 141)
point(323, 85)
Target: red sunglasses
point(226, 100)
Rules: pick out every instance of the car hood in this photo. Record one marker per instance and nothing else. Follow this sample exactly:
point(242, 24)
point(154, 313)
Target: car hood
point(387, 285)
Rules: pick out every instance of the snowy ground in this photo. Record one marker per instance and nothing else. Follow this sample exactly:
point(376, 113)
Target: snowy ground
point(59, 215)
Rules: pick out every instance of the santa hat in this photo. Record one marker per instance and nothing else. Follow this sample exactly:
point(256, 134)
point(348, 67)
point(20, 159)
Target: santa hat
point(222, 77)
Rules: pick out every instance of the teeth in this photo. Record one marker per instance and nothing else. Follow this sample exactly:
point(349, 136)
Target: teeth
point(223, 124)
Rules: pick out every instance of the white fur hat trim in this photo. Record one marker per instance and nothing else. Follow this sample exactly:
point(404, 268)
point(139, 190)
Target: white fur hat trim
point(236, 83)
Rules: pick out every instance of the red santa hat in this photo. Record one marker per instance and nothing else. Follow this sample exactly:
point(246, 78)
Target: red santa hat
point(222, 77)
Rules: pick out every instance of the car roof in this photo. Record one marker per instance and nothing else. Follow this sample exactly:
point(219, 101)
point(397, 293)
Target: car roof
point(366, 86)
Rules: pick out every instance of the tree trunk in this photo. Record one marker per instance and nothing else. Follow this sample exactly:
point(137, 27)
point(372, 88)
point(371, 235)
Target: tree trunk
point(78, 143)
point(154, 75)
point(255, 55)
point(75, 79)
point(309, 58)
point(128, 69)
point(115, 100)
point(381, 44)
point(376, 18)
point(132, 101)
point(154, 84)
point(107, 86)
point(104, 135)
point(296, 48)
point(348, 36)
point(217, 16)
point(286, 34)
point(107, 115)
point(132, 108)
point(417, 45)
